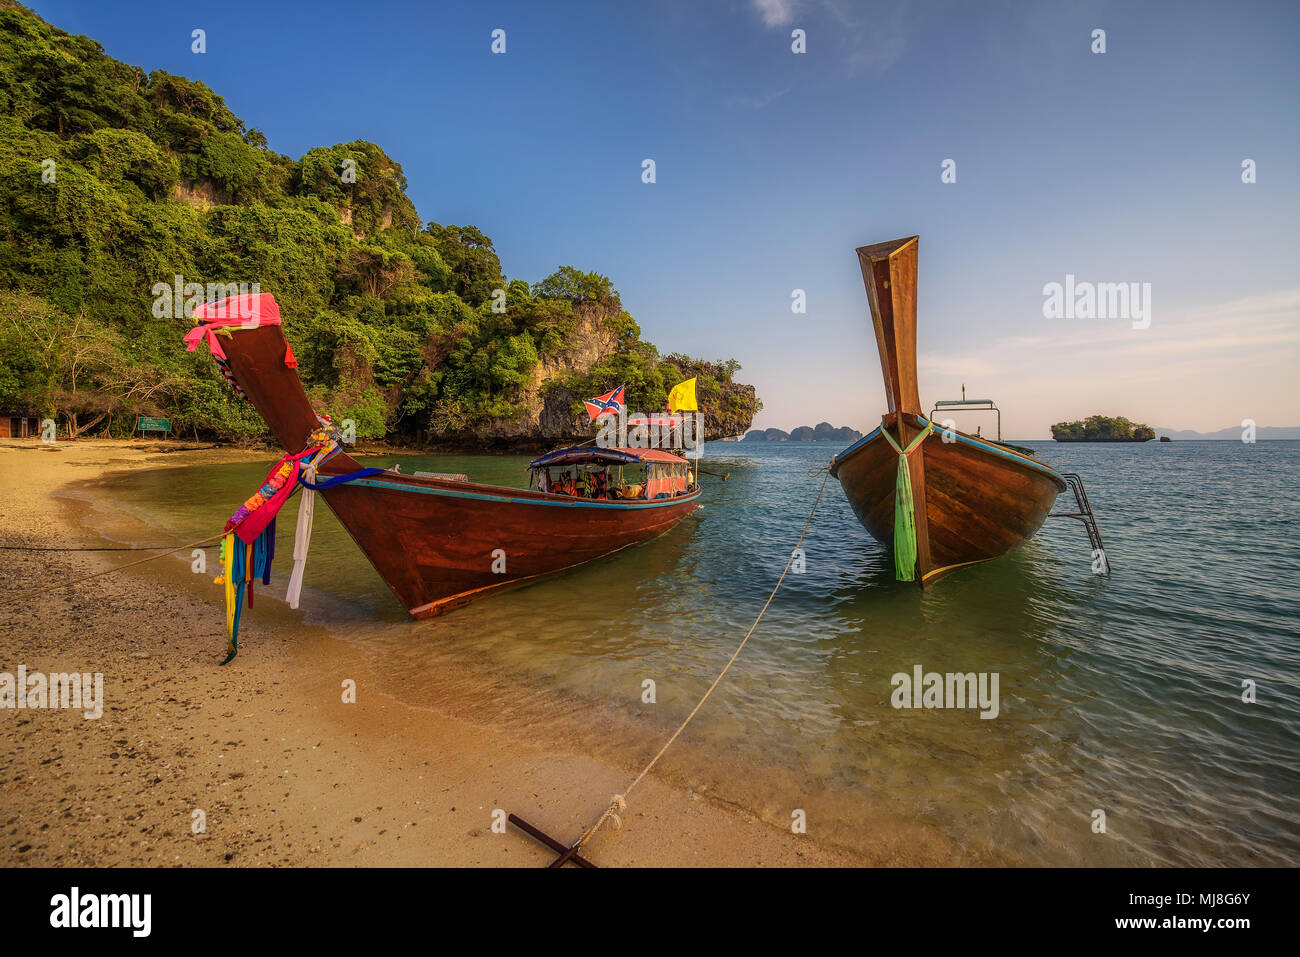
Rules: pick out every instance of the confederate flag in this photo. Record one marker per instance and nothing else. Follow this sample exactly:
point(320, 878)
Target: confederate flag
point(610, 402)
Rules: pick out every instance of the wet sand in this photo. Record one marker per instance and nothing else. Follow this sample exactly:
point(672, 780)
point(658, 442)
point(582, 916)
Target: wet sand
point(283, 771)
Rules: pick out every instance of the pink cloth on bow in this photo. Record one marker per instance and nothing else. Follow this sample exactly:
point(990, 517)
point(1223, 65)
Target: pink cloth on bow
point(244, 312)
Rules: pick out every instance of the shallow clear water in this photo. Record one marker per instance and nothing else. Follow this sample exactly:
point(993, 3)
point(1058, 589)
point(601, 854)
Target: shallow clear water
point(1120, 693)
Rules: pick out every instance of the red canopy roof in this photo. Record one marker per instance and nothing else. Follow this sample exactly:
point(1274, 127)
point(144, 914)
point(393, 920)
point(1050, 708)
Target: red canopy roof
point(578, 454)
point(654, 455)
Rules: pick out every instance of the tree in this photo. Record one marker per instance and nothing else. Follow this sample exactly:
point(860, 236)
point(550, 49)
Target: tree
point(475, 268)
point(376, 271)
point(575, 285)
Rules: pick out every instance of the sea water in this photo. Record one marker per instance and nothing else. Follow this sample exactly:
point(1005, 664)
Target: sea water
point(1146, 716)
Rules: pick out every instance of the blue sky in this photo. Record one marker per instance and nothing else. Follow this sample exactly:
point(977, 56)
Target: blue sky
point(773, 166)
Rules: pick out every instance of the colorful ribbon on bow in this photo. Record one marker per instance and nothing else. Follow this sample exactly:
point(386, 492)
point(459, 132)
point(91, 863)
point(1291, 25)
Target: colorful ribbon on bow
point(249, 545)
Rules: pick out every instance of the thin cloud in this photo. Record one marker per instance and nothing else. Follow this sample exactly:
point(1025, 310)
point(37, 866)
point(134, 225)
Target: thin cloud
point(1208, 337)
point(869, 36)
point(1244, 349)
point(775, 13)
point(875, 39)
point(969, 365)
point(743, 102)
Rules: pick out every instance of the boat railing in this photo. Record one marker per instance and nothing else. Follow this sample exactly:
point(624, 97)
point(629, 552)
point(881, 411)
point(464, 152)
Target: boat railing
point(969, 405)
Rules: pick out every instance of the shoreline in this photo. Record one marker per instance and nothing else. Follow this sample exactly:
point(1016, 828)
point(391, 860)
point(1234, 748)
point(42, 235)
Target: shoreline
point(285, 772)
point(268, 445)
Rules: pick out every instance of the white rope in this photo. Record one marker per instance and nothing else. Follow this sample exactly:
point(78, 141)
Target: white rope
point(302, 539)
point(619, 801)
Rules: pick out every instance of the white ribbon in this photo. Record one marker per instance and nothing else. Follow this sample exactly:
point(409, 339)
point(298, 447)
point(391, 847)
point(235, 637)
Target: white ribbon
point(302, 538)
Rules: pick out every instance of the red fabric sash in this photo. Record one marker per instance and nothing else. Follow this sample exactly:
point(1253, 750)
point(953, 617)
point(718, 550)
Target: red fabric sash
point(240, 312)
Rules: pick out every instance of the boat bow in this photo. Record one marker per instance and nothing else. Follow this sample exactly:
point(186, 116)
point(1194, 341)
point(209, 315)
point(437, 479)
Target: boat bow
point(942, 499)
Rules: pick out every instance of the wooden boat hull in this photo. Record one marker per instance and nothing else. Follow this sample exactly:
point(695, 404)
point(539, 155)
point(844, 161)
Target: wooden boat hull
point(439, 543)
point(974, 499)
point(439, 548)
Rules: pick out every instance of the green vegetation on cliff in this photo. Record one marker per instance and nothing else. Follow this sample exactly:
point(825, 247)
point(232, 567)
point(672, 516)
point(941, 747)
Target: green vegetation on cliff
point(117, 185)
point(1101, 428)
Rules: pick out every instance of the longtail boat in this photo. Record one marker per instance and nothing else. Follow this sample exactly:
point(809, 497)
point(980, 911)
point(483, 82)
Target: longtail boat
point(441, 541)
point(943, 499)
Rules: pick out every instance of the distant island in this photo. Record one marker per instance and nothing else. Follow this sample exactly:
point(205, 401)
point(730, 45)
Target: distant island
point(1232, 433)
point(822, 432)
point(1102, 428)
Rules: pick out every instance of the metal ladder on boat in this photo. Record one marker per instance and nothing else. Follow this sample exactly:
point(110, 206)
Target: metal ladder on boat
point(1085, 516)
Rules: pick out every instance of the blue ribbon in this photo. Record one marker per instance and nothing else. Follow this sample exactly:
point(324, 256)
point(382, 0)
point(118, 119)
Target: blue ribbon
point(339, 479)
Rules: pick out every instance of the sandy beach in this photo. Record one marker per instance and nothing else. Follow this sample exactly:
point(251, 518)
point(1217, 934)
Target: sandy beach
point(283, 771)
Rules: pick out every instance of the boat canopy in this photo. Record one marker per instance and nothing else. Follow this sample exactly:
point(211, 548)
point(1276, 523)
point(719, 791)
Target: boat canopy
point(581, 454)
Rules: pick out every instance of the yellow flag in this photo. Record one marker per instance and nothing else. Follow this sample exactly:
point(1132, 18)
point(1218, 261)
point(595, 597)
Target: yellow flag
point(682, 398)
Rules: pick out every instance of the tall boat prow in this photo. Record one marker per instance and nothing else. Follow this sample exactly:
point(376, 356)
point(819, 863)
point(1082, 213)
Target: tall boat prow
point(889, 273)
point(941, 498)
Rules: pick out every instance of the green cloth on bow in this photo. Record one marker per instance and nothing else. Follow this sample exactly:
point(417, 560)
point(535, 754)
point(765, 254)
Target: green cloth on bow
point(905, 509)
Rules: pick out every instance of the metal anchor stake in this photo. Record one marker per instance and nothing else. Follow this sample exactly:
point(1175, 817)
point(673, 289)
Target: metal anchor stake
point(568, 855)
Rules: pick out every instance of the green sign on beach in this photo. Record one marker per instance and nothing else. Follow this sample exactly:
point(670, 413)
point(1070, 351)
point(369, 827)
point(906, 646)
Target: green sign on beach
point(145, 424)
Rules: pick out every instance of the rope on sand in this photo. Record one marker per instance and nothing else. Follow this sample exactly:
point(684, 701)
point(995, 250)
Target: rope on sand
point(619, 801)
point(108, 571)
point(83, 548)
